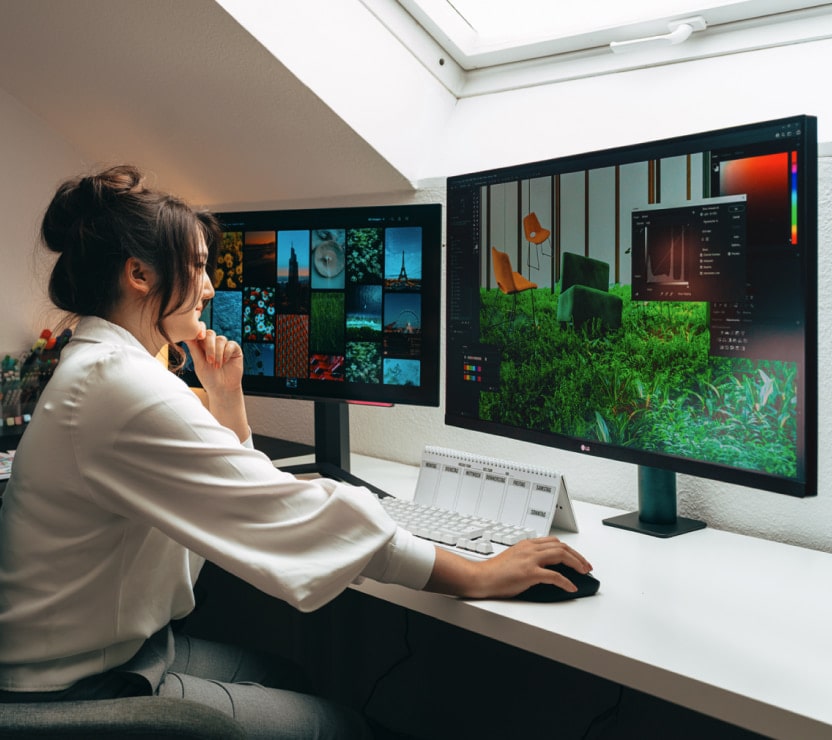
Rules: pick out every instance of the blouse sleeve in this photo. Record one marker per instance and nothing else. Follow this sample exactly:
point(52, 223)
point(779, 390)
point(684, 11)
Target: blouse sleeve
point(149, 450)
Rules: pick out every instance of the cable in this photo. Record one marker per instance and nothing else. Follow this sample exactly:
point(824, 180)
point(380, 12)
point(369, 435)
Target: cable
point(605, 716)
point(393, 666)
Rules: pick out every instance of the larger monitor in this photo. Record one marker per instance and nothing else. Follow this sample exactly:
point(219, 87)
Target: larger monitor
point(654, 304)
point(335, 305)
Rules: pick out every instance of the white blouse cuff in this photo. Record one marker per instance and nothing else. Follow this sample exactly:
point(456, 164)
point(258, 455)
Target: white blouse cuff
point(406, 560)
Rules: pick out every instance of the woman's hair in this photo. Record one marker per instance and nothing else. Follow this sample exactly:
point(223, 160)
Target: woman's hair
point(96, 223)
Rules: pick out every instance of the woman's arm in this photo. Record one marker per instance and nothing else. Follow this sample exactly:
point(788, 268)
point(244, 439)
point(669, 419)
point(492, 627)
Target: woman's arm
point(507, 574)
point(218, 363)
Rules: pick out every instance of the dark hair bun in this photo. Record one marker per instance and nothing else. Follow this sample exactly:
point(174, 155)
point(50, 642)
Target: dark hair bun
point(89, 223)
point(78, 202)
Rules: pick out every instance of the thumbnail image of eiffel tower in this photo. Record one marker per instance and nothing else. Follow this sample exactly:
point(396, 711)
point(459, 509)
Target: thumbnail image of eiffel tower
point(403, 281)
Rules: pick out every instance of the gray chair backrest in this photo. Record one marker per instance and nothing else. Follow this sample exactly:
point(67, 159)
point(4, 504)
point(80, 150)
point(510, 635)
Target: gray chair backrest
point(137, 718)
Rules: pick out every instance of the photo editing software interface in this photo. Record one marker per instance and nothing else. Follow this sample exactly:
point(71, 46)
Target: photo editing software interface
point(333, 303)
point(659, 308)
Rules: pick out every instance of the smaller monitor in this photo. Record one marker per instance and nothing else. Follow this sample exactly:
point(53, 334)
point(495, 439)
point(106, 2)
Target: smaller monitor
point(334, 305)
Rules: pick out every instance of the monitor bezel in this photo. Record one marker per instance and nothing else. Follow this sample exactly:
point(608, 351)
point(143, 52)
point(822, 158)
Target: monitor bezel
point(643, 151)
point(426, 215)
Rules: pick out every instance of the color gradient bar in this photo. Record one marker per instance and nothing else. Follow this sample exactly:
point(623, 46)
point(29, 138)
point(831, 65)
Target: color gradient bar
point(793, 184)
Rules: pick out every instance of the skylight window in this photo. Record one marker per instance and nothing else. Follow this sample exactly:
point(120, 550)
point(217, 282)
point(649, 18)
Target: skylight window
point(485, 33)
point(537, 19)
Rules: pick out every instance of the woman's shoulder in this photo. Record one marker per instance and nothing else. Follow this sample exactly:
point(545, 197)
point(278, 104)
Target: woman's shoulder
point(108, 359)
point(105, 360)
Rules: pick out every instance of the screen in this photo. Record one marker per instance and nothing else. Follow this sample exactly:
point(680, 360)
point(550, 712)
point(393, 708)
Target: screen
point(654, 304)
point(333, 304)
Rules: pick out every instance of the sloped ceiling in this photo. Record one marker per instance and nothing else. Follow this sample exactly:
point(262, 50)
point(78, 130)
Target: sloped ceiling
point(179, 88)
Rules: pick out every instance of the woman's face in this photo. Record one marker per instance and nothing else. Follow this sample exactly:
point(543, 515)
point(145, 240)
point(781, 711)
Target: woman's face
point(184, 323)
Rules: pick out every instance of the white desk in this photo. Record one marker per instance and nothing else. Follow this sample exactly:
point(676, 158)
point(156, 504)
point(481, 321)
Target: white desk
point(735, 627)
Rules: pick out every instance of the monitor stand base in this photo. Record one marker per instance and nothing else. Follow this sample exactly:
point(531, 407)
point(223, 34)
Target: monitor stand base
point(633, 523)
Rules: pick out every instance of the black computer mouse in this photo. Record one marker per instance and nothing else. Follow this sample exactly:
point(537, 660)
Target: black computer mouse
point(547, 592)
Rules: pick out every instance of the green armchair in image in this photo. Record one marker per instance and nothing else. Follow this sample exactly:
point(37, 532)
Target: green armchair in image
point(584, 293)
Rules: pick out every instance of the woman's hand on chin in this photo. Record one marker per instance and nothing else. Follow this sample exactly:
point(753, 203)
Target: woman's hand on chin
point(218, 361)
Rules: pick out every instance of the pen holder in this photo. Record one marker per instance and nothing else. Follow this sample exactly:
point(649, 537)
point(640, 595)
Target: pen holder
point(24, 378)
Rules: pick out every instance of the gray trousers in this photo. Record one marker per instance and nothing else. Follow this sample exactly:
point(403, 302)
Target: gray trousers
point(265, 695)
point(257, 691)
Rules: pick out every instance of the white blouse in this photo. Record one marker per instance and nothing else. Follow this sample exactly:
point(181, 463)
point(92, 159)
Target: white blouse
point(121, 486)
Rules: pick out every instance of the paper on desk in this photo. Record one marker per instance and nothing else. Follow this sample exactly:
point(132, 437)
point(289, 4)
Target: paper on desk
point(6, 464)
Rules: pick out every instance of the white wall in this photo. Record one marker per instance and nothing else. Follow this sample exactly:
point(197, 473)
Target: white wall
point(33, 160)
point(582, 115)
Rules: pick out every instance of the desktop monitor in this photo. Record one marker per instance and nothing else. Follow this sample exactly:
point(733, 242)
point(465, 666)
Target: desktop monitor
point(654, 304)
point(334, 305)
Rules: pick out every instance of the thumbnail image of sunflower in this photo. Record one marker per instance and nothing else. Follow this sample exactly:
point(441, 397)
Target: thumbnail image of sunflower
point(228, 274)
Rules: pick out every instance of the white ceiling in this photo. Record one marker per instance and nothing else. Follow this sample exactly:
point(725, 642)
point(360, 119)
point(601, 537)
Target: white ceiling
point(224, 113)
point(179, 88)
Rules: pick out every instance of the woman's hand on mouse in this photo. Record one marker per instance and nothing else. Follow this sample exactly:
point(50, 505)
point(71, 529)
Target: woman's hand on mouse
point(505, 575)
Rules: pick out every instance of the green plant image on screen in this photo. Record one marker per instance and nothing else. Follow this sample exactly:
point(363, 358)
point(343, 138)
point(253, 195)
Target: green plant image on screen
point(650, 385)
point(327, 322)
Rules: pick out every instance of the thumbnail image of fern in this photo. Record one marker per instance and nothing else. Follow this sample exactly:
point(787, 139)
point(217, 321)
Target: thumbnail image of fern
point(363, 362)
point(326, 323)
point(365, 251)
point(652, 385)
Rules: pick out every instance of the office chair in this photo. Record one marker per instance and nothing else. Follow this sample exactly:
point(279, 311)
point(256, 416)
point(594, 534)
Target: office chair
point(135, 717)
point(510, 282)
point(535, 234)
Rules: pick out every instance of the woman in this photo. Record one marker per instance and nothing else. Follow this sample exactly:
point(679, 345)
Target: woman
point(124, 483)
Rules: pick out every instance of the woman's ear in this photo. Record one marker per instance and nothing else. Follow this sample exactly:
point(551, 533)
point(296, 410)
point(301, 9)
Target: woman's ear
point(137, 276)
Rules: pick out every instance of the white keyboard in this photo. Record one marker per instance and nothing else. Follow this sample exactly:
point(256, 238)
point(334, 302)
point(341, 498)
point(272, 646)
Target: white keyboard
point(471, 536)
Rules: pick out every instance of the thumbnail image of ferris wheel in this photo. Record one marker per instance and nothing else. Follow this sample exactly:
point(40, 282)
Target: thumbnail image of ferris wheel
point(403, 258)
point(403, 313)
point(402, 324)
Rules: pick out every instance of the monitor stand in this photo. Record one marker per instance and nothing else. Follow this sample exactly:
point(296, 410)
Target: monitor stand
point(332, 446)
point(657, 507)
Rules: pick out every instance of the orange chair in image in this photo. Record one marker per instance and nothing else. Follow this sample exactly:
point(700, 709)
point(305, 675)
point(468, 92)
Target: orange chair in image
point(535, 234)
point(509, 282)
